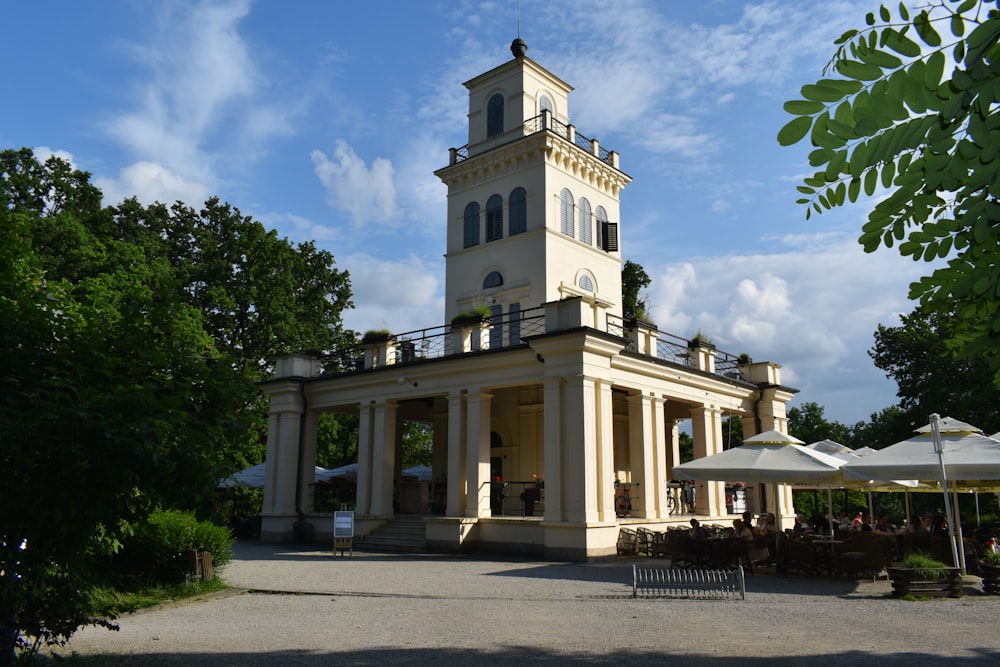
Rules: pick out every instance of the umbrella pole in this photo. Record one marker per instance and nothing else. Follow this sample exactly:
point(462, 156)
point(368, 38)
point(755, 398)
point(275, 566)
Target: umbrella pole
point(979, 520)
point(829, 500)
point(939, 448)
point(958, 530)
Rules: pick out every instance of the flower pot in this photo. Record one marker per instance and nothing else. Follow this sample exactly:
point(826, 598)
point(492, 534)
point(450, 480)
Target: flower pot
point(936, 583)
point(991, 578)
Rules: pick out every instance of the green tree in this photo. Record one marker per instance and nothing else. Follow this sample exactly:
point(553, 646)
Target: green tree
point(895, 114)
point(634, 281)
point(808, 423)
point(930, 380)
point(114, 399)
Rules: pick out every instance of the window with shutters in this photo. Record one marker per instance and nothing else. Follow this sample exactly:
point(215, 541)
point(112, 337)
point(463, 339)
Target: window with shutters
point(518, 207)
point(566, 210)
point(586, 283)
point(471, 227)
point(494, 115)
point(494, 218)
point(602, 218)
point(585, 225)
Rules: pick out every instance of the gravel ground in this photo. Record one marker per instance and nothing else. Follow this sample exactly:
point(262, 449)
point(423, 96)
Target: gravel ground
point(305, 606)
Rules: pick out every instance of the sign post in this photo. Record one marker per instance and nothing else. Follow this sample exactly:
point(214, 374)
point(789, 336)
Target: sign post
point(343, 531)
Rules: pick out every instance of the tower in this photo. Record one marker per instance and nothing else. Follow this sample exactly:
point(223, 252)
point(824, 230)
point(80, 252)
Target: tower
point(532, 205)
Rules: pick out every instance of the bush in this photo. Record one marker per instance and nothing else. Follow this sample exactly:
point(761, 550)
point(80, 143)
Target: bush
point(925, 566)
point(160, 546)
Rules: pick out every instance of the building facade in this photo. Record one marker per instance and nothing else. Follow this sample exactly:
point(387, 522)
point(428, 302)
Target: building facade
point(545, 402)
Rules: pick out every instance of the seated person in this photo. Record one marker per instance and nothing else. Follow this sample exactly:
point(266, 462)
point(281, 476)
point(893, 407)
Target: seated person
point(858, 521)
point(914, 525)
point(801, 525)
point(939, 526)
point(743, 532)
point(883, 527)
point(697, 532)
point(768, 524)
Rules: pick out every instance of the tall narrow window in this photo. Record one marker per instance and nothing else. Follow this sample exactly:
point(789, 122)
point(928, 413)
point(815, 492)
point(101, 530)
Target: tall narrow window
point(586, 225)
point(514, 322)
point(496, 326)
point(545, 103)
point(566, 210)
point(602, 219)
point(518, 205)
point(471, 228)
point(494, 115)
point(494, 218)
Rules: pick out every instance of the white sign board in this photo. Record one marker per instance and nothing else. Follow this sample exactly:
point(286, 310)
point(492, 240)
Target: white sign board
point(343, 524)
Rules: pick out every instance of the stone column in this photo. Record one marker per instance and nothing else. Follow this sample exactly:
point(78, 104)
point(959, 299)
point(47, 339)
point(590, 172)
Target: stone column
point(478, 455)
point(706, 431)
point(456, 455)
point(606, 452)
point(552, 428)
point(366, 415)
point(383, 458)
point(580, 449)
point(640, 437)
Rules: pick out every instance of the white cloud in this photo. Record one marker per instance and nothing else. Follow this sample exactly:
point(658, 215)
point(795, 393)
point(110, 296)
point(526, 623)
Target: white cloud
point(367, 194)
point(811, 306)
point(401, 295)
point(151, 182)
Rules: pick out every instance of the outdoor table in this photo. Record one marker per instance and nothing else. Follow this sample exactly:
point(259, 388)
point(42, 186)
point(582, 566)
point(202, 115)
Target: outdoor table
point(824, 548)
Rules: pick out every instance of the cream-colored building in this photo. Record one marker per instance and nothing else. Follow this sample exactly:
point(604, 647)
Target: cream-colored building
point(552, 383)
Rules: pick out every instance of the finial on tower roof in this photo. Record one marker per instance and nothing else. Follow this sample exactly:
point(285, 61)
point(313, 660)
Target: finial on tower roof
point(518, 47)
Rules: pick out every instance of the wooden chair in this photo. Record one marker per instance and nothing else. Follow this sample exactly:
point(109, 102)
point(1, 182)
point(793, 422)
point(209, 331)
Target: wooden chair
point(626, 542)
point(795, 555)
point(863, 553)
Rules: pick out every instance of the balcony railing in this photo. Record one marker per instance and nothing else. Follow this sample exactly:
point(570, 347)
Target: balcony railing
point(509, 330)
point(542, 123)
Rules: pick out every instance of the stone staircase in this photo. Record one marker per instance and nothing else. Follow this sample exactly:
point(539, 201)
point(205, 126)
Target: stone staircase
point(402, 534)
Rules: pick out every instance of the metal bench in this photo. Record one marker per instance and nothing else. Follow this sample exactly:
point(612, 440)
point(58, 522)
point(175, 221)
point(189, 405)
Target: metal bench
point(688, 583)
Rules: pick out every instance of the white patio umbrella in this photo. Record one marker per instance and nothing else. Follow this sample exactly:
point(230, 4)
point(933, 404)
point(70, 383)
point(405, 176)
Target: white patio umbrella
point(253, 477)
point(957, 455)
point(771, 457)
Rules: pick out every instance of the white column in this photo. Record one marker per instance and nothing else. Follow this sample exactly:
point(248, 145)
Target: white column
point(383, 456)
point(605, 452)
point(478, 456)
point(307, 464)
point(456, 455)
point(640, 437)
point(579, 445)
point(706, 430)
point(366, 414)
point(661, 467)
point(552, 429)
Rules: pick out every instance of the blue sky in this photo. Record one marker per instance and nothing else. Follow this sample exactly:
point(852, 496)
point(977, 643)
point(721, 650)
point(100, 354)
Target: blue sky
point(326, 120)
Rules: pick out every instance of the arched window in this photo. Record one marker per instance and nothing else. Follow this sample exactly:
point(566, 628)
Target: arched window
point(585, 224)
point(586, 283)
point(494, 115)
point(494, 218)
point(545, 103)
point(518, 205)
point(602, 219)
point(492, 279)
point(471, 229)
point(566, 210)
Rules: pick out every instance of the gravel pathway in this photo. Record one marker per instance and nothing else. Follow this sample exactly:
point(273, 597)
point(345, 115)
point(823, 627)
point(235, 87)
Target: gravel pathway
point(305, 606)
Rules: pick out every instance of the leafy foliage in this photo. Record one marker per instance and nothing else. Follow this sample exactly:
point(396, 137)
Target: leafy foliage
point(132, 341)
point(634, 280)
point(159, 545)
point(892, 116)
point(930, 379)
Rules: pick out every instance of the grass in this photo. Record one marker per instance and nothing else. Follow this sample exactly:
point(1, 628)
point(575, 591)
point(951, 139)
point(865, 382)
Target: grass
point(130, 595)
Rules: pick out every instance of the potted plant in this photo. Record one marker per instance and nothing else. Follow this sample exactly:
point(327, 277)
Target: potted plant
point(923, 576)
point(989, 568)
point(373, 336)
point(472, 316)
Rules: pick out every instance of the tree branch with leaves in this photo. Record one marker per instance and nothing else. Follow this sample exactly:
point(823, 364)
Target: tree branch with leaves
point(911, 116)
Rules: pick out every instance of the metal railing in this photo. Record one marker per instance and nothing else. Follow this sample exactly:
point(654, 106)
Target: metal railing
point(670, 347)
point(539, 124)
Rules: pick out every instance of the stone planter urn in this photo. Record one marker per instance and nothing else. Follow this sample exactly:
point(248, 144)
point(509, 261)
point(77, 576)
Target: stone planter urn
point(991, 578)
point(926, 582)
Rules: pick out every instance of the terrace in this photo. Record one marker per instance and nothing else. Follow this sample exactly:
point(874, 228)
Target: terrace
point(510, 330)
